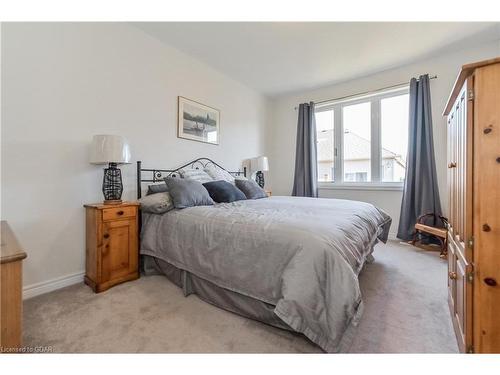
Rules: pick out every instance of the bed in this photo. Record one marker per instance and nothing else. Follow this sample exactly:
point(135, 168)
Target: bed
point(291, 262)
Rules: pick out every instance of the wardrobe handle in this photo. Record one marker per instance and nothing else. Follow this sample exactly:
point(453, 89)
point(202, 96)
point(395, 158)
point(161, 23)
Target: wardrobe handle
point(452, 165)
point(106, 235)
point(452, 275)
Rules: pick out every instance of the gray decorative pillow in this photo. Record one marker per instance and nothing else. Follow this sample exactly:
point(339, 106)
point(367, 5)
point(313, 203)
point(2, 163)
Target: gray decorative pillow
point(158, 203)
point(250, 189)
point(157, 188)
point(188, 193)
point(195, 174)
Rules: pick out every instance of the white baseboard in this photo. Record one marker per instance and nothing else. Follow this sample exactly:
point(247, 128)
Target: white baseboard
point(43, 287)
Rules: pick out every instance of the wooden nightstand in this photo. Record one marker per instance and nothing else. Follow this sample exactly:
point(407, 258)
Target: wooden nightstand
point(112, 249)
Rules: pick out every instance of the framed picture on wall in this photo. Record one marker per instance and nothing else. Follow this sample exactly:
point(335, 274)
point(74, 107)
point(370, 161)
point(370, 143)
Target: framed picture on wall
point(198, 122)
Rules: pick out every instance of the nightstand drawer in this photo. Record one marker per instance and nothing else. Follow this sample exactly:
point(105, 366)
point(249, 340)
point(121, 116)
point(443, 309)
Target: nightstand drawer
point(118, 212)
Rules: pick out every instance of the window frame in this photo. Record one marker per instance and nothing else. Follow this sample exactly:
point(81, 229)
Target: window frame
point(376, 182)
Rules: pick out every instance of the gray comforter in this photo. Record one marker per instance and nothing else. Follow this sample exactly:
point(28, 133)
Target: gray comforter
point(302, 255)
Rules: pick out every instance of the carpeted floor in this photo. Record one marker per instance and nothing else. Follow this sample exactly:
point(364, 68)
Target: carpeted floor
point(405, 312)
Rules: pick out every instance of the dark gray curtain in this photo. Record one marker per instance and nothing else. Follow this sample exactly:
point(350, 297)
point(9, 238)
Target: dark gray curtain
point(420, 195)
point(305, 182)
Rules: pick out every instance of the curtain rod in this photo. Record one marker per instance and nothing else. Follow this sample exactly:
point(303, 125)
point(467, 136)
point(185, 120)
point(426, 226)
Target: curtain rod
point(366, 92)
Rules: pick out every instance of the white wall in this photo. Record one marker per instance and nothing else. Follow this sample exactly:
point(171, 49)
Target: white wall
point(61, 84)
point(283, 122)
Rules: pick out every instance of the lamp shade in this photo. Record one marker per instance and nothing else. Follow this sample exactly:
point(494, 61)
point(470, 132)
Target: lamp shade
point(260, 164)
point(109, 149)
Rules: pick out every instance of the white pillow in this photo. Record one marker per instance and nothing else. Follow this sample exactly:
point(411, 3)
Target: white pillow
point(218, 174)
point(195, 174)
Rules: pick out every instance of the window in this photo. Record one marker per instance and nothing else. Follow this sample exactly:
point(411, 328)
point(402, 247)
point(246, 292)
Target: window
point(394, 135)
point(356, 177)
point(363, 139)
point(325, 149)
point(357, 142)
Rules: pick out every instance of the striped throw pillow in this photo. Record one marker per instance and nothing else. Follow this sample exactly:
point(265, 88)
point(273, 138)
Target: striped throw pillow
point(195, 174)
point(218, 174)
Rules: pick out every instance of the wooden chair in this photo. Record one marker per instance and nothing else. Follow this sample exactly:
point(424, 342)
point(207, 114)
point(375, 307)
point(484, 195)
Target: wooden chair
point(440, 233)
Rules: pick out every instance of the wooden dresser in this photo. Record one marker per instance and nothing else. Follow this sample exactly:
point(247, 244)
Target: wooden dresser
point(11, 301)
point(473, 120)
point(112, 248)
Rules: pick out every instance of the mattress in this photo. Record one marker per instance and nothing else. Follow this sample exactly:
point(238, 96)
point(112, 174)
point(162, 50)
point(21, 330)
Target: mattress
point(302, 256)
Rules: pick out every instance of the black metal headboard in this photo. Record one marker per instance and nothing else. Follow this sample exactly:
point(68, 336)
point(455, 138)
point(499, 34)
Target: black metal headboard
point(157, 175)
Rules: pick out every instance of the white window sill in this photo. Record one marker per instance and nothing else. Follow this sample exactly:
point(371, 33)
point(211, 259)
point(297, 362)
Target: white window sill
point(385, 186)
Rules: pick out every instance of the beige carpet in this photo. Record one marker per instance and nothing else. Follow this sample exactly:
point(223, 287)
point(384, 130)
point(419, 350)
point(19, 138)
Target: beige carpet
point(405, 311)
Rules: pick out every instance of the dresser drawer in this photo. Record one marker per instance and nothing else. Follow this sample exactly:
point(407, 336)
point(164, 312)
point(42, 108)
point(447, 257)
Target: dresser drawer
point(118, 212)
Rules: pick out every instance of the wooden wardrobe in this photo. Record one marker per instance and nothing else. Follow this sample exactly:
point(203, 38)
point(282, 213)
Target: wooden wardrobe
point(473, 120)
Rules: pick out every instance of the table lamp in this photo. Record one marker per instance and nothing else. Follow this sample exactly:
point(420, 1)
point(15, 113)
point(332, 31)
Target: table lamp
point(111, 150)
point(259, 164)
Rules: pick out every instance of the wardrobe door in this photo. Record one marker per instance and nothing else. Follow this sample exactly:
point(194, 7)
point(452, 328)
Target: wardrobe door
point(452, 282)
point(465, 155)
point(462, 305)
point(460, 217)
point(451, 170)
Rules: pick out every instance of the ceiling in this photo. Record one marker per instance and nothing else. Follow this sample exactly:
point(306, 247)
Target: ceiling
point(276, 58)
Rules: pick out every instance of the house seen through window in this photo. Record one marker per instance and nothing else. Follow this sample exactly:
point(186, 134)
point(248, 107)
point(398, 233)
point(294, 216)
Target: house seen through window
point(364, 139)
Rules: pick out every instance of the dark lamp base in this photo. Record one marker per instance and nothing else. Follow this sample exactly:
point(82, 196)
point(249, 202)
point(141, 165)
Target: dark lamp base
point(259, 178)
point(112, 186)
